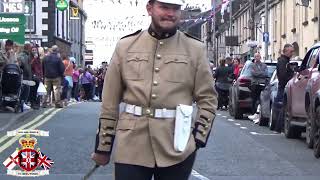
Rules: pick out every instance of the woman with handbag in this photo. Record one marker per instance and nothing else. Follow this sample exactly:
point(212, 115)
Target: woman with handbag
point(37, 77)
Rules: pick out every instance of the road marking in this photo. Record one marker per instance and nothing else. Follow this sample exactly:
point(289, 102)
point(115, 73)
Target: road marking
point(198, 176)
point(237, 124)
point(243, 127)
point(263, 134)
point(14, 139)
point(231, 120)
point(219, 114)
point(224, 116)
point(5, 137)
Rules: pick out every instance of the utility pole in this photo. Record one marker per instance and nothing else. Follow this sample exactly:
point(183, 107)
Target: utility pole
point(231, 30)
point(252, 23)
point(213, 33)
point(266, 30)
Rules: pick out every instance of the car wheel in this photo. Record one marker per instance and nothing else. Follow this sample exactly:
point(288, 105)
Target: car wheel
point(272, 120)
point(262, 120)
point(237, 112)
point(290, 131)
point(310, 130)
point(316, 145)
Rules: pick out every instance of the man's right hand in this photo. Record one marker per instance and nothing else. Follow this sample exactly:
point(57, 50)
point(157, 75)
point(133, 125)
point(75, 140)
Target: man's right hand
point(100, 159)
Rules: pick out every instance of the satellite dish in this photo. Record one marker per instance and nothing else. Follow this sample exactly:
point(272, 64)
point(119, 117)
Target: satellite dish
point(305, 3)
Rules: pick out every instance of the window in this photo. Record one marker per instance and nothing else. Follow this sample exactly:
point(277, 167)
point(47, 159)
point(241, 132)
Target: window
point(30, 12)
point(313, 58)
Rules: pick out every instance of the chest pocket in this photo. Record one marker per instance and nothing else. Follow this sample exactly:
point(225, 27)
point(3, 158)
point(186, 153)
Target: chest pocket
point(135, 65)
point(176, 68)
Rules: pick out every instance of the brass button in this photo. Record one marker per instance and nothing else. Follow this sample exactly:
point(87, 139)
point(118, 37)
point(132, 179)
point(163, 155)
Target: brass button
point(158, 56)
point(148, 111)
point(209, 120)
point(157, 69)
point(154, 96)
point(104, 134)
point(151, 115)
point(105, 128)
point(104, 143)
point(161, 43)
point(153, 34)
point(167, 35)
point(155, 83)
point(206, 127)
point(204, 133)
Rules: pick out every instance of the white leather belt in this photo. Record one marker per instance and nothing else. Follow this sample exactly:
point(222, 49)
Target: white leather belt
point(156, 113)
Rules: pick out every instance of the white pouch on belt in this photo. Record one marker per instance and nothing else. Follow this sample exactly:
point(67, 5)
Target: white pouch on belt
point(182, 127)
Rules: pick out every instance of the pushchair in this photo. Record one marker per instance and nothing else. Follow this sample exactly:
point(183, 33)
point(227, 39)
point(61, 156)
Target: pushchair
point(11, 85)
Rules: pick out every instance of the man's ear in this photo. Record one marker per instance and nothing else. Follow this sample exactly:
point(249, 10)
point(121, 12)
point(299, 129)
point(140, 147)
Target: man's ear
point(149, 9)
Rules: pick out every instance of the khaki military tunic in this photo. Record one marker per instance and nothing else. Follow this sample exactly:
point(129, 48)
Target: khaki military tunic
point(155, 73)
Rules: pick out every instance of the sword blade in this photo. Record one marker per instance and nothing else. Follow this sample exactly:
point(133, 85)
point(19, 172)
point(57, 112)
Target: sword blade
point(91, 172)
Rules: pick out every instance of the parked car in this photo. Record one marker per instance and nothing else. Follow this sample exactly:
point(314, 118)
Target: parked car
point(312, 107)
point(240, 98)
point(266, 99)
point(296, 118)
point(267, 115)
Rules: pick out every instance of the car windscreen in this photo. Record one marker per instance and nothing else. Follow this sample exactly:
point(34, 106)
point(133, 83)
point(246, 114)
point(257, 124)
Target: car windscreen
point(247, 69)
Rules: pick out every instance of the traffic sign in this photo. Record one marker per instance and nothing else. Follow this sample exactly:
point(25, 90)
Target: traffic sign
point(12, 26)
point(266, 37)
point(62, 5)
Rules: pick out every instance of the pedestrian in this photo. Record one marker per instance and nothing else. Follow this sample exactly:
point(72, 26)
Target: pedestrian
point(68, 73)
point(75, 80)
point(100, 80)
point(152, 72)
point(24, 59)
point(53, 70)
point(86, 83)
point(259, 72)
point(237, 67)
point(284, 74)
point(37, 77)
point(222, 84)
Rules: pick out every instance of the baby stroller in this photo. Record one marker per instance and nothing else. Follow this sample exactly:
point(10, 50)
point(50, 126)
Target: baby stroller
point(11, 82)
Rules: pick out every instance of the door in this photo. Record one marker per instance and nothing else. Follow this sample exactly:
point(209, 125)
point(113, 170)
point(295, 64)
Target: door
point(299, 84)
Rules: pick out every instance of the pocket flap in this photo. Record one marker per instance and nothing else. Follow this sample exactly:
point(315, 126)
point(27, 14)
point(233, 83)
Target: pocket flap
point(125, 124)
point(137, 57)
point(186, 110)
point(176, 59)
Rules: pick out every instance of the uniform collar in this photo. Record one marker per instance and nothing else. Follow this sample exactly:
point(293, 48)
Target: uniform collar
point(163, 35)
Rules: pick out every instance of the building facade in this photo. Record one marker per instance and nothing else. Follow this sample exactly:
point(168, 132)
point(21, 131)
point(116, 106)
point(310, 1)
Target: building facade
point(289, 22)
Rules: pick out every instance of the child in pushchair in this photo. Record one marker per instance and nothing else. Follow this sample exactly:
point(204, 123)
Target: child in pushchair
point(11, 85)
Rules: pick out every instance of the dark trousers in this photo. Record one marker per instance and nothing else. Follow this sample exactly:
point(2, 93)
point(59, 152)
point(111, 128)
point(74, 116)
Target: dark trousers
point(33, 96)
point(75, 91)
point(87, 90)
point(179, 171)
point(278, 109)
point(255, 91)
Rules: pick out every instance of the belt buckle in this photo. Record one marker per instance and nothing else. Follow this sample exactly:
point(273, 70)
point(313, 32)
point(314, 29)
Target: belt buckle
point(149, 112)
point(137, 110)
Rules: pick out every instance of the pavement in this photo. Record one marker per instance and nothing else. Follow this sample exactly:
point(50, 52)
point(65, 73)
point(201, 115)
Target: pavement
point(237, 149)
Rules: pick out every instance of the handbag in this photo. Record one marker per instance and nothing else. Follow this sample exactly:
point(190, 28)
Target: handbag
point(41, 89)
point(182, 129)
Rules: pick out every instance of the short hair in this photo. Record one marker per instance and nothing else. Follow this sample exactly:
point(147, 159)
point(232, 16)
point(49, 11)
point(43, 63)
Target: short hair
point(151, 1)
point(287, 46)
point(9, 43)
point(55, 48)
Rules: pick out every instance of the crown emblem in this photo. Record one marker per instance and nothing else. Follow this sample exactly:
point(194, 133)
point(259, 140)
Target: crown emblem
point(27, 142)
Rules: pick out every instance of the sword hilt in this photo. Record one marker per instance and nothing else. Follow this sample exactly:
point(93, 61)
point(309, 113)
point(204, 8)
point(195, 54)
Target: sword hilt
point(91, 172)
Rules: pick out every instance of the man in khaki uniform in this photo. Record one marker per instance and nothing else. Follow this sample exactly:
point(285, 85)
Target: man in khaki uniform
point(152, 72)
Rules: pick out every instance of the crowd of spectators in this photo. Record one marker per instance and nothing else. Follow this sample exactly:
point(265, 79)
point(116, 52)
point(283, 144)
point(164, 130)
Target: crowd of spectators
point(63, 80)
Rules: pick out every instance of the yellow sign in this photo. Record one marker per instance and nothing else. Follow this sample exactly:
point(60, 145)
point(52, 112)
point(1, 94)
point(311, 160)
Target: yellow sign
point(74, 12)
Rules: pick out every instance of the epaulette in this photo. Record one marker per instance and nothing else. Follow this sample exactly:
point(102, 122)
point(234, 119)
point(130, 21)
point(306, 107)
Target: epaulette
point(133, 34)
point(190, 36)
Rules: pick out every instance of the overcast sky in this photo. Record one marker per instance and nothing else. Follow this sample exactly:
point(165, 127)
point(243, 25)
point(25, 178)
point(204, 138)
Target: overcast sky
point(109, 20)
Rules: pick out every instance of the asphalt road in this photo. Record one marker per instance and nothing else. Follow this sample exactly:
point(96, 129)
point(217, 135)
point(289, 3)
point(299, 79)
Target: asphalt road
point(237, 149)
